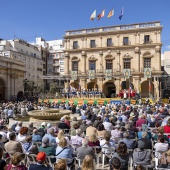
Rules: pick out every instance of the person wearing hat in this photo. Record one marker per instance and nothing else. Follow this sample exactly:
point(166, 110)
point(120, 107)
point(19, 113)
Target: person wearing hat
point(42, 130)
point(42, 164)
point(46, 148)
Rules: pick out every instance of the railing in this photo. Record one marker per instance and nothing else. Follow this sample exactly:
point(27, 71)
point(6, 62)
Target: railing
point(114, 28)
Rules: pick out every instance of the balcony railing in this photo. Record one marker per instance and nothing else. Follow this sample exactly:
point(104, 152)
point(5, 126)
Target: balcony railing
point(114, 28)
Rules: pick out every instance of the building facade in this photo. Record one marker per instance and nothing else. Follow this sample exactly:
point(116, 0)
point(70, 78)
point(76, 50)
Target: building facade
point(11, 76)
point(165, 79)
point(28, 54)
point(97, 58)
point(55, 61)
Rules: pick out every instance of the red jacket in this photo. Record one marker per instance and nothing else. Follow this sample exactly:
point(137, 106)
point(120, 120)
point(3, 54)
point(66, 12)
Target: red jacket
point(167, 130)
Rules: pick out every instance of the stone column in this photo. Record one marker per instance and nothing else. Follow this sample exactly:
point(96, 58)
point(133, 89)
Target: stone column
point(101, 60)
point(118, 64)
point(158, 56)
point(136, 83)
point(68, 44)
point(83, 83)
point(83, 54)
point(117, 84)
point(65, 42)
point(67, 63)
point(137, 55)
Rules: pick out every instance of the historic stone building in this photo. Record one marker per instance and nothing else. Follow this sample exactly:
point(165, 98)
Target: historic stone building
point(11, 78)
point(97, 58)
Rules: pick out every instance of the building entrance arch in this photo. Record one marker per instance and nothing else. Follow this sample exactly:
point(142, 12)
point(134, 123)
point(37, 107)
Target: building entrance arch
point(109, 89)
point(92, 86)
point(74, 85)
point(2, 89)
point(145, 89)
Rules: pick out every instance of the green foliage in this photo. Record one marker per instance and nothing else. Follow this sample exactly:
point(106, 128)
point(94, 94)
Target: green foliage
point(53, 88)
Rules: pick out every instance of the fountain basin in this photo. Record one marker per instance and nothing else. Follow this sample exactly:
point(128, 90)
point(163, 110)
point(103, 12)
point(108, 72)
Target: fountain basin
point(48, 114)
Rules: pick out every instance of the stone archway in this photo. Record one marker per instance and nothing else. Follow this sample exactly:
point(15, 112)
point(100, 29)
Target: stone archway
point(74, 85)
point(2, 89)
point(92, 85)
point(145, 89)
point(109, 89)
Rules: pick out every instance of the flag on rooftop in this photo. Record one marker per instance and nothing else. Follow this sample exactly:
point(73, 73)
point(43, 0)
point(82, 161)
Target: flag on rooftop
point(93, 15)
point(121, 13)
point(111, 13)
point(101, 15)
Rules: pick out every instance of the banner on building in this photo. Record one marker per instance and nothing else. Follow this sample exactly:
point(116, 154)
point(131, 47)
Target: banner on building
point(127, 73)
point(91, 74)
point(109, 74)
point(73, 75)
point(147, 72)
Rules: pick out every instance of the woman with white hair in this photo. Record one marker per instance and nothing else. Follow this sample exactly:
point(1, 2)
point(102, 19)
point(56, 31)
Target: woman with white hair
point(76, 140)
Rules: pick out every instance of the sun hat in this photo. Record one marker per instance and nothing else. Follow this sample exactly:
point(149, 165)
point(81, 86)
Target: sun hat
point(49, 125)
point(62, 119)
point(43, 124)
point(41, 156)
point(132, 114)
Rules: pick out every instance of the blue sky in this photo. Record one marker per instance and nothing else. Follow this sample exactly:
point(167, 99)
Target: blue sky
point(50, 19)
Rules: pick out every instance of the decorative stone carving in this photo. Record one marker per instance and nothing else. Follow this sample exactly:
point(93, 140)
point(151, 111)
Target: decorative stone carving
point(83, 53)
point(127, 56)
point(92, 58)
point(109, 51)
point(100, 52)
point(157, 49)
point(66, 54)
point(137, 50)
point(118, 35)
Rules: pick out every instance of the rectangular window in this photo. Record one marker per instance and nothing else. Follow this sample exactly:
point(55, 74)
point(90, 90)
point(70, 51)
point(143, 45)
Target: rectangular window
point(75, 44)
point(146, 39)
point(109, 42)
point(126, 63)
point(147, 62)
point(125, 40)
point(109, 64)
point(75, 66)
point(92, 65)
point(92, 43)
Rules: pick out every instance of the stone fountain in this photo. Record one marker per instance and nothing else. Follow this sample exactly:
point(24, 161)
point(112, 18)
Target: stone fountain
point(50, 115)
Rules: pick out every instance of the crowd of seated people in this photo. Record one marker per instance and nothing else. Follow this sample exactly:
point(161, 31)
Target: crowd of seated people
point(118, 136)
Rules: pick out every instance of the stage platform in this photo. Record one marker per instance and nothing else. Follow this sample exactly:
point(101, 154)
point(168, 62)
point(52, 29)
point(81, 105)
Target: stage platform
point(81, 101)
